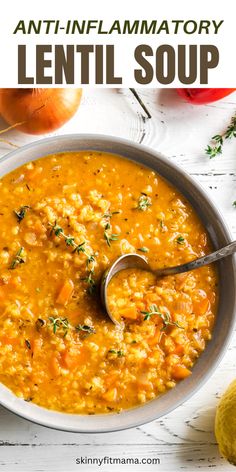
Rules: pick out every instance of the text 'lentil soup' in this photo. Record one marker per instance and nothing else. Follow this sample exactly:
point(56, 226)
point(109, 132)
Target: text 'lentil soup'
point(64, 219)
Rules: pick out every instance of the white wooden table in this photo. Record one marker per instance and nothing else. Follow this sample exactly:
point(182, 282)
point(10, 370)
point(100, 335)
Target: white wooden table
point(184, 439)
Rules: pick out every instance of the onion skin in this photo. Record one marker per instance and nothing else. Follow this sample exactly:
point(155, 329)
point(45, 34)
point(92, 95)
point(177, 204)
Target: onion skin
point(38, 111)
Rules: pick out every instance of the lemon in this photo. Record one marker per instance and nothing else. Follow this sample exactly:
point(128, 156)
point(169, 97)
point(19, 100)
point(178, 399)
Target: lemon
point(225, 424)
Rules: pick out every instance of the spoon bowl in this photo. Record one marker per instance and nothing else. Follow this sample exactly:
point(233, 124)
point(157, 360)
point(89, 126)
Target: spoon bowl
point(135, 261)
point(127, 261)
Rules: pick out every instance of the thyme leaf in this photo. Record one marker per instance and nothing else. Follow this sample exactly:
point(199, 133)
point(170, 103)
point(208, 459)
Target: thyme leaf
point(110, 214)
point(118, 353)
point(143, 249)
point(69, 240)
point(20, 214)
point(219, 139)
point(91, 282)
point(59, 323)
point(180, 240)
point(86, 329)
point(109, 236)
point(153, 310)
point(18, 259)
point(144, 202)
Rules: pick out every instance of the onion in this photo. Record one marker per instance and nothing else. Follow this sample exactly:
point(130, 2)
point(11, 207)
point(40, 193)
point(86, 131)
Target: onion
point(37, 111)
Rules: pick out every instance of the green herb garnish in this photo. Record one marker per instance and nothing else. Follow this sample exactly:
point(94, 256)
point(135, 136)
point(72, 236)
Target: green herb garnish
point(18, 259)
point(20, 214)
point(110, 214)
point(144, 202)
point(109, 236)
point(234, 204)
point(162, 226)
point(219, 139)
point(180, 240)
point(153, 310)
point(70, 241)
point(91, 282)
point(143, 249)
point(118, 353)
point(86, 329)
point(59, 324)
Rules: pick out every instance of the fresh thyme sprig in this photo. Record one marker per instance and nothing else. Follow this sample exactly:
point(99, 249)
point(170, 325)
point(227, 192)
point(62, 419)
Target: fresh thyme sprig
point(154, 310)
point(144, 202)
point(70, 241)
point(60, 324)
point(78, 248)
point(108, 235)
point(219, 139)
point(18, 259)
point(90, 282)
point(21, 212)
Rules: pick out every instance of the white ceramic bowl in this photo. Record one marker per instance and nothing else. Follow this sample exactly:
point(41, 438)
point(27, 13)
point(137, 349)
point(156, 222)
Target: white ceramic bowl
point(224, 325)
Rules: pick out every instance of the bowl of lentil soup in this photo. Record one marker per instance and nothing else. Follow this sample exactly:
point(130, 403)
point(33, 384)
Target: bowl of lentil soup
point(71, 205)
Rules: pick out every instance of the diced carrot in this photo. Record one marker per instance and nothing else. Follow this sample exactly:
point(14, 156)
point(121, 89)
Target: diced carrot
point(8, 340)
point(179, 349)
point(37, 345)
point(65, 292)
point(70, 358)
point(55, 367)
point(140, 306)
point(180, 372)
point(110, 395)
point(202, 306)
point(130, 312)
point(152, 340)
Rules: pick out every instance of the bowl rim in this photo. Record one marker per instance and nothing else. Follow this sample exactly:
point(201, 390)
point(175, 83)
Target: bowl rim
point(57, 420)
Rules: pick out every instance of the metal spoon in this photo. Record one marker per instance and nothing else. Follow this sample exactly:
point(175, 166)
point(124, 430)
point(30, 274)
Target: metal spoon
point(135, 261)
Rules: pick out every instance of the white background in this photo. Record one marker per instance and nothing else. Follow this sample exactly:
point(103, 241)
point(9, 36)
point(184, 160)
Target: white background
point(223, 76)
point(184, 439)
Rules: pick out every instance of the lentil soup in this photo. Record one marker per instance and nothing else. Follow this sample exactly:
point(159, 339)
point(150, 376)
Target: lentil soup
point(64, 219)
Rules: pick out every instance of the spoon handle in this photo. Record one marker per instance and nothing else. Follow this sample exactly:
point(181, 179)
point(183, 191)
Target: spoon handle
point(202, 261)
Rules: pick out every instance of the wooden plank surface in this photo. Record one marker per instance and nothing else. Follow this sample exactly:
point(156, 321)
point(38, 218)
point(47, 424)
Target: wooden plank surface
point(184, 439)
